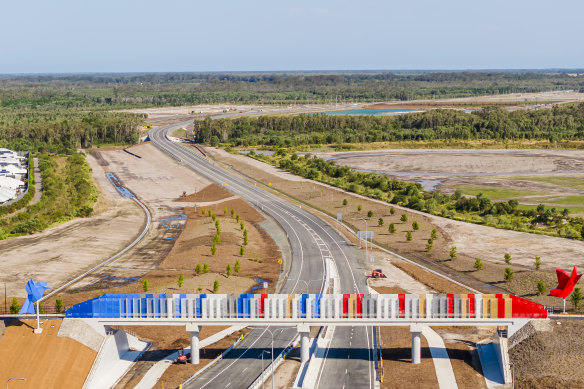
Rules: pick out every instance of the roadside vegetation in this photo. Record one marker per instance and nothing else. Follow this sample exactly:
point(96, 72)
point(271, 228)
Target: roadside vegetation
point(68, 192)
point(477, 209)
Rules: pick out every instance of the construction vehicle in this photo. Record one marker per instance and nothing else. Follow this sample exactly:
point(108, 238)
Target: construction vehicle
point(182, 357)
point(378, 273)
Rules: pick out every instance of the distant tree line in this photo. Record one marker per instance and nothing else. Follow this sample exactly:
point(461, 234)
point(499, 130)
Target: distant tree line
point(564, 122)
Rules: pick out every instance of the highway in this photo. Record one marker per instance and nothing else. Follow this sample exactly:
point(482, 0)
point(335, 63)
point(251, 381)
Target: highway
point(349, 362)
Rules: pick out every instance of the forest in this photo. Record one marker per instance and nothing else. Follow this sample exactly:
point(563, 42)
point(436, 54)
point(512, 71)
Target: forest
point(107, 91)
point(560, 123)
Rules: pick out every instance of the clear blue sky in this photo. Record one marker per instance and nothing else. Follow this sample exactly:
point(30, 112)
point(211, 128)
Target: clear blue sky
point(38, 36)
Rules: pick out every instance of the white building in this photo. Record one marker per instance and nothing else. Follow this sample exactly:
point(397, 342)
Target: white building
point(12, 171)
point(6, 194)
point(8, 153)
point(11, 183)
point(4, 161)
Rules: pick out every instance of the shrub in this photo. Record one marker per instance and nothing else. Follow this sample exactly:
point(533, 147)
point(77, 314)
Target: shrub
point(237, 217)
point(215, 286)
point(409, 236)
point(214, 248)
point(434, 234)
point(452, 252)
point(541, 288)
point(204, 211)
point(181, 280)
point(237, 266)
point(415, 226)
point(15, 306)
point(232, 212)
point(198, 268)
point(537, 263)
point(576, 297)
point(369, 213)
point(242, 251)
point(216, 239)
point(241, 225)
point(430, 244)
point(392, 210)
point(380, 222)
point(225, 210)
point(359, 208)
point(391, 228)
point(205, 268)
point(228, 270)
point(59, 305)
point(245, 241)
point(404, 218)
point(214, 217)
point(145, 285)
point(345, 202)
point(478, 265)
point(508, 259)
point(508, 274)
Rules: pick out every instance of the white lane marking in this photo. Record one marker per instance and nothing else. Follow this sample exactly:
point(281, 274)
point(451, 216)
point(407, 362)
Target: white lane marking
point(228, 384)
point(244, 369)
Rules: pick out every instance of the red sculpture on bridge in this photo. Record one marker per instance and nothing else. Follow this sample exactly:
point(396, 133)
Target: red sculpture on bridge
point(566, 283)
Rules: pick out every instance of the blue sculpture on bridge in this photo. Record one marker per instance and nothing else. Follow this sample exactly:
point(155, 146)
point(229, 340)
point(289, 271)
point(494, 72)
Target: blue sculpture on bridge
point(35, 292)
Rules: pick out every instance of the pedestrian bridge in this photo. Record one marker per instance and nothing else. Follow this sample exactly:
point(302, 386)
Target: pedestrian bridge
point(305, 310)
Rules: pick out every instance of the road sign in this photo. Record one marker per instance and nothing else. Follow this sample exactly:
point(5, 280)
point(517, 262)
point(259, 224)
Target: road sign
point(265, 285)
point(339, 216)
point(365, 234)
point(280, 261)
point(269, 184)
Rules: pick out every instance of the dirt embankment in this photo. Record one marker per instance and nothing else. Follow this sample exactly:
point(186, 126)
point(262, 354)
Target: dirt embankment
point(45, 360)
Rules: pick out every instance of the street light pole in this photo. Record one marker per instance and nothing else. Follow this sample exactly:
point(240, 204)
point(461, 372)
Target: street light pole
point(264, 351)
point(14, 379)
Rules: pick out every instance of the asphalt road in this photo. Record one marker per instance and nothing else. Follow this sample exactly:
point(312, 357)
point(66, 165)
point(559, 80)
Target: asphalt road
point(348, 362)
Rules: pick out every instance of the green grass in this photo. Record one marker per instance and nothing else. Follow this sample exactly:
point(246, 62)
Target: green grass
point(494, 193)
point(561, 181)
point(573, 200)
point(180, 133)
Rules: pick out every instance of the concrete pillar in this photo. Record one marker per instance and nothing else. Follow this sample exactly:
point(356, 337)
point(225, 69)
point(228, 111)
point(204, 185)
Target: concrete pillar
point(416, 343)
point(194, 331)
point(304, 330)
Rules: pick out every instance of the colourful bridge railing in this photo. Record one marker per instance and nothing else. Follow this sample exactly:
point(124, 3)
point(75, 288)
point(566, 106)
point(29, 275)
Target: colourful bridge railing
point(313, 306)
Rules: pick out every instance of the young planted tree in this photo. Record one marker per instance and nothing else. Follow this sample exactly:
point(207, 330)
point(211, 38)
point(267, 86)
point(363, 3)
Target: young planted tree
point(200, 289)
point(391, 228)
point(215, 286)
point(359, 208)
point(507, 258)
point(145, 285)
point(214, 217)
point(242, 251)
point(15, 306)
point(380, 222)
point(345, 202)
point(181, 280)
point(237, 217)
point(576, 297)
point(225, 210)
point(204, 211)
point(198, 268)
point(415, 226)
point(453, 252)
point(217, 225)
point(434, 234)
point(508, 274)
point(392, 211)
point(214, 248)
point(228, 270)
point(430, 244)
point(245, 237)
point(237, 266)
point(409, 236)
point(541, 288)
point(232, 212)
point(205, 268)
point(478, 265)
point(404, 218)
point(369, 213)
point(241, 225)
point(537, 263)
point(59, 305)
point(216, 239)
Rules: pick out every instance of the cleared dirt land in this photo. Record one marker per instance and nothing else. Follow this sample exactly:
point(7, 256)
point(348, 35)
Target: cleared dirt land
point(471, 240)
point(34, 356)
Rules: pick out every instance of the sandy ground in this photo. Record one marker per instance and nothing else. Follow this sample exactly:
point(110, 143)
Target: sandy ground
point(58, 254)
point(34, 356)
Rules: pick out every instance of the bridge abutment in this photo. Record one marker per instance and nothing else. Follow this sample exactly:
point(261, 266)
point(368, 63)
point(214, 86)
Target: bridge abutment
point(304, 330)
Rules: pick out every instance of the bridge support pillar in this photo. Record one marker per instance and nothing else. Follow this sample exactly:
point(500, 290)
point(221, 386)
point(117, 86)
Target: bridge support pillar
point(194, 332)
point(416, 331)
point(304, 330)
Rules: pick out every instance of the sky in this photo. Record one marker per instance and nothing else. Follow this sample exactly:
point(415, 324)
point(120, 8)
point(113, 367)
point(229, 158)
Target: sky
point(66, 36)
